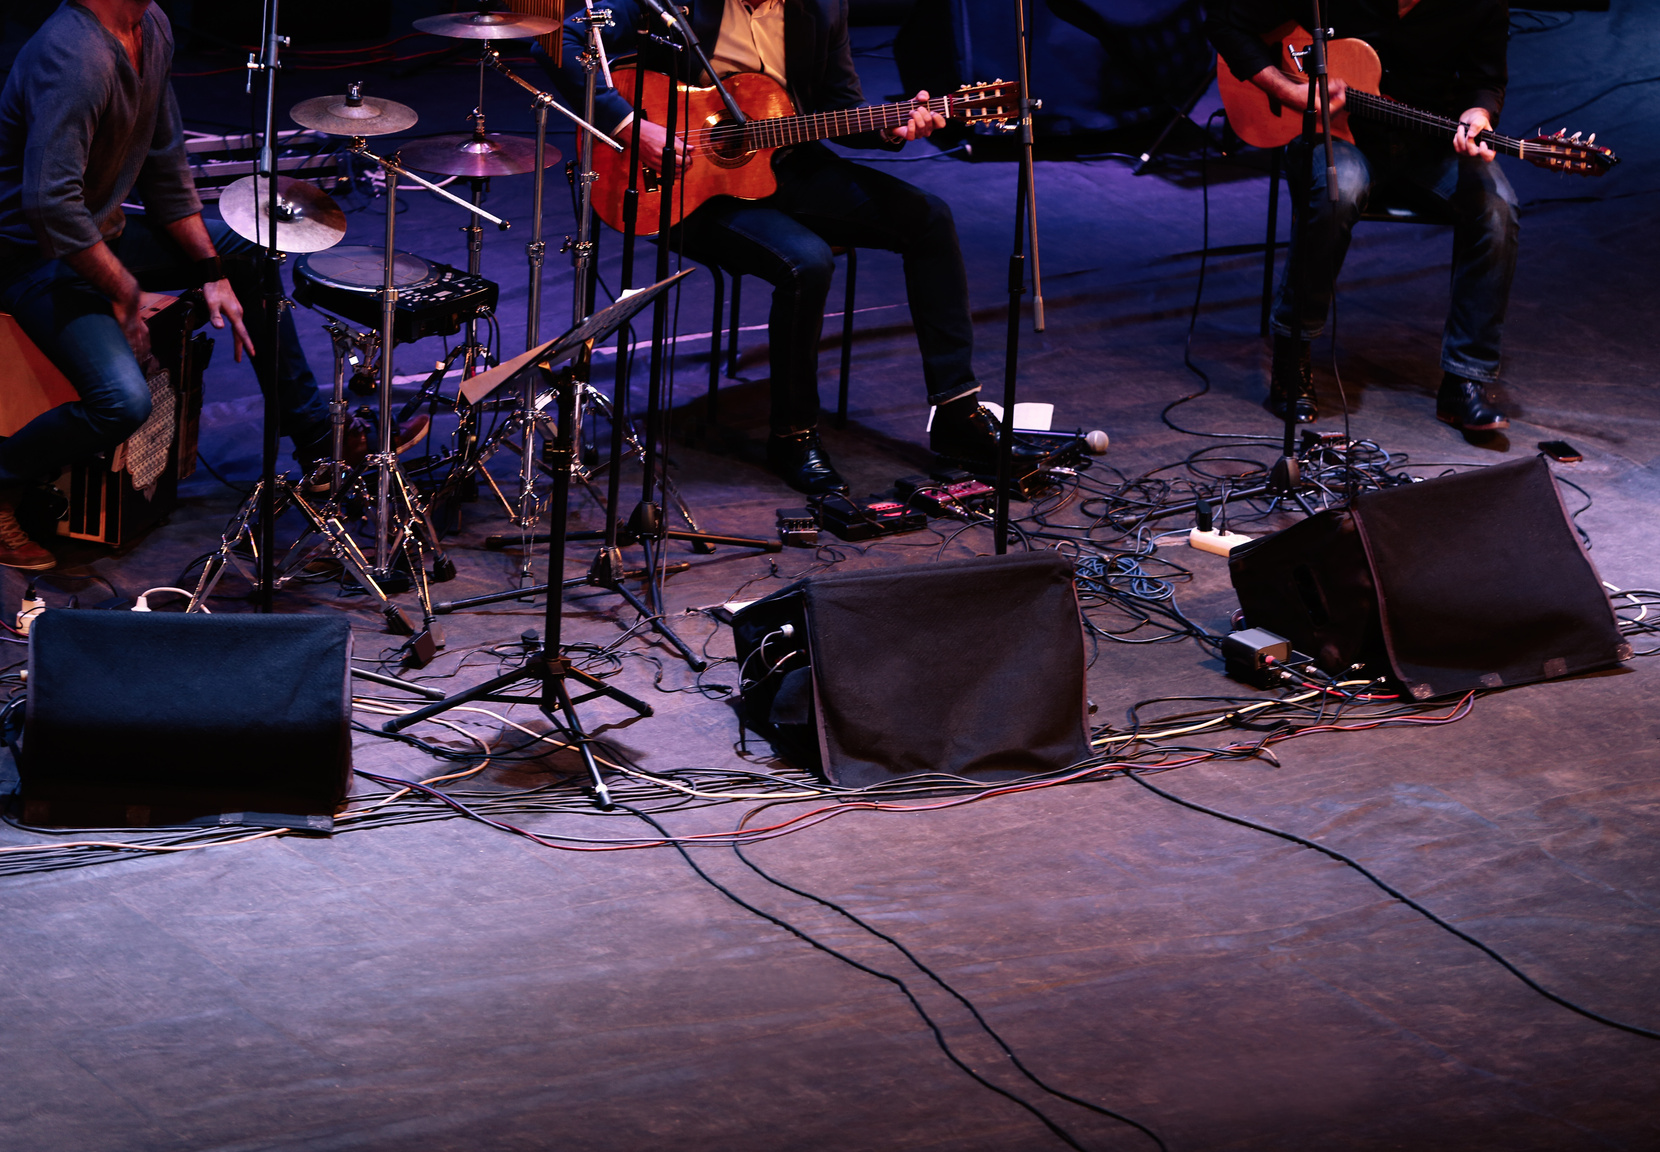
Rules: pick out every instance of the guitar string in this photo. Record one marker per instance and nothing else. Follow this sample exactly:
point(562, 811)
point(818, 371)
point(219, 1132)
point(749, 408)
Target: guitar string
point(1385, 108)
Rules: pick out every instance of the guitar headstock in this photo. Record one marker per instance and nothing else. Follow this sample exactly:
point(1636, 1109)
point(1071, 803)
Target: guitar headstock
point(995, 103)
point(1564, 153)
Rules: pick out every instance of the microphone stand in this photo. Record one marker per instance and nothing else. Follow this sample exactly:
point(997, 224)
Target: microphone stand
point(1285, 479)
point(269, 63)
point(1025, 219)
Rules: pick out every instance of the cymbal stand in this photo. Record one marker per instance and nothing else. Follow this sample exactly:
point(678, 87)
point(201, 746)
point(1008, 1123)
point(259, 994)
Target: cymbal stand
point(402, 526)
point(322, 519)
point(269, 63)
point(528, 415)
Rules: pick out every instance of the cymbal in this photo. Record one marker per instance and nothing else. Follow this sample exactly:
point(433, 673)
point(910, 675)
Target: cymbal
point(487, 25)
point(476, 155)
point(353, 114)
point(308, 219)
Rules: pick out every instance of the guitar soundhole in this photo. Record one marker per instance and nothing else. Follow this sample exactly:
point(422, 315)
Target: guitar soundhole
point(725, 147)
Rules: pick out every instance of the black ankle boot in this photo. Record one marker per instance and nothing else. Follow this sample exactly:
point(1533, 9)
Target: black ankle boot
point(1463, 404)
point(966, 431)
point(799, 460)
point(1291, 381)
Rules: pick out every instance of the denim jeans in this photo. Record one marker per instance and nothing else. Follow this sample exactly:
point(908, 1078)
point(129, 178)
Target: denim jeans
point(822, 200)
point(74, 325)
point(1427, 170)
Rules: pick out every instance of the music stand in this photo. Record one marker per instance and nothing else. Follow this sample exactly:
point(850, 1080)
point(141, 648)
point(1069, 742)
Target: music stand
point(548, 667)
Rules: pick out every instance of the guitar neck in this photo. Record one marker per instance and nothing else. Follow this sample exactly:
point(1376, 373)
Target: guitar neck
point(1387, 111)
point(785, 130)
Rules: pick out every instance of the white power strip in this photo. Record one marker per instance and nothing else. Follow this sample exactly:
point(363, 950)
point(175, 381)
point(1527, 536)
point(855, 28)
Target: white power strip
point(1220, 543)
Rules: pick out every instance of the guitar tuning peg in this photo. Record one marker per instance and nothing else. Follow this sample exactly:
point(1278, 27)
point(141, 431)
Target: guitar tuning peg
point(1575, 137)
point(1592, 139)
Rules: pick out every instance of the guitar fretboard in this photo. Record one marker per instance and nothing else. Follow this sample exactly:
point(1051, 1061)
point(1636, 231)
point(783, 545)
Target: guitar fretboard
point(1375, 107)
point(785, 130)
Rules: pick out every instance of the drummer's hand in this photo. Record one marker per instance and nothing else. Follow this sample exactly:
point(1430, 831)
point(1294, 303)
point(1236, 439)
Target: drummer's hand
point(223, 306)
point(652, 138)
point(128, 307)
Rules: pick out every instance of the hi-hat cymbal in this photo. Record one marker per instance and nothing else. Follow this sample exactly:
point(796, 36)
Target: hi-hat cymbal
point(308, 220)
point(475, 155)
point(353, 114)
point(487, 25)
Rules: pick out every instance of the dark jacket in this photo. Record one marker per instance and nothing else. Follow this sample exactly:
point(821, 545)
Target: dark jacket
point(818, 58)
point(1444, 56)
point(80, 131)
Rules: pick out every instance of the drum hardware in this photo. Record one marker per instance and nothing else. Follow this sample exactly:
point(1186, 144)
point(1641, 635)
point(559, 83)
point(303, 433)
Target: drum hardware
point(327, 520)
point(547, 670)
point(433, 299)
point(527, 513)
point(482, 25)
point(308, 219)
point(401, 521)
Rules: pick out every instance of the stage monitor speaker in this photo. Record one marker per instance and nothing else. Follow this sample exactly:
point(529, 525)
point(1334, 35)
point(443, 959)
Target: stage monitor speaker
point(143, 718)
point(1473, 580)
point(973, 668)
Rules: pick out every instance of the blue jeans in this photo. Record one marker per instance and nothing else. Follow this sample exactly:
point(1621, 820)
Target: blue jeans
point(822, 200)
point(1417, 169)
point(74, 325)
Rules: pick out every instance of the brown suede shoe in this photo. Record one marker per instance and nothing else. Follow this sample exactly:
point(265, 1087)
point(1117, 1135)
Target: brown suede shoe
point(17, 550)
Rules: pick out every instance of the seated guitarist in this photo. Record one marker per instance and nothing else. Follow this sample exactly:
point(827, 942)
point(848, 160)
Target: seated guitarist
point(822, 200)
point(1445, 56)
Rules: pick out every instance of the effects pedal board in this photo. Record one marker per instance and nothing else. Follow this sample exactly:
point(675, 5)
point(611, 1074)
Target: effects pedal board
point(1063, 451)
point(946, 493)
point(854, 520)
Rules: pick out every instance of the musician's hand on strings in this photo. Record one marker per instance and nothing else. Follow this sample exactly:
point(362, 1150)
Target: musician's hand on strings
point(652, 139)
point(1467, 139)
point(1293, 93)
point(223, 306)
point(923, 123)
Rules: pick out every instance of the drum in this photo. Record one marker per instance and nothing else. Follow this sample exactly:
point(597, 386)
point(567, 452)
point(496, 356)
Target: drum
point(115, 497)
point(433, 299)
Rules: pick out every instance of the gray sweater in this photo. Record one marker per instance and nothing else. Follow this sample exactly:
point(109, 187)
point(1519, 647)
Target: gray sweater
point(80, 131)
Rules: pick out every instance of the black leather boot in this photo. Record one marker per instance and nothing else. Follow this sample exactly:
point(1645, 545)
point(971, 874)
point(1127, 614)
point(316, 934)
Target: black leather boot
point(1291, 381)
point(1463, 403)
point(799, 460)
point(965, 431)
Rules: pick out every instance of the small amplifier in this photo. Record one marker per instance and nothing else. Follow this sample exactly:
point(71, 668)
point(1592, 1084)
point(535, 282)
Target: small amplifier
point(855, 520)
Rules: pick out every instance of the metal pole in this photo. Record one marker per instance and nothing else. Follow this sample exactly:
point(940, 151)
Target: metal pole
point(267, 168)
point(388, 307)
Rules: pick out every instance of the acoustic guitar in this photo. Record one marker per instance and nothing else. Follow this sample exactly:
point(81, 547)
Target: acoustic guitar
point(1259, 119)
point(731, 159)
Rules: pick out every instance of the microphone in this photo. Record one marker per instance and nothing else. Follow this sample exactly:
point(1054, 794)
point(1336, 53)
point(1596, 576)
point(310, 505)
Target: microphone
point(665, 11)
point(1096, 442)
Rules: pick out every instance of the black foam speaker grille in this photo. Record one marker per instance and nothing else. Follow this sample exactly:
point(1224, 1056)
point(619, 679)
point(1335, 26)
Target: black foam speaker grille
point(974, 668)
point(1465, 581)
point(144, 718)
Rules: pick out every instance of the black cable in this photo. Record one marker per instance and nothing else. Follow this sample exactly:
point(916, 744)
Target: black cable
point(940, 981)
point(939, 1036)
point(1634, 1029)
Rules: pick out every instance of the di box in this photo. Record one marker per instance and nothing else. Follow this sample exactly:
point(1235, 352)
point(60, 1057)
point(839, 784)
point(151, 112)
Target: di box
point(139, 718)
point(1473, 580)
point(972, 667)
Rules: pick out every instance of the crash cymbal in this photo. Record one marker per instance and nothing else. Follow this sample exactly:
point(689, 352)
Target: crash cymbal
point(307, 219)
point(353, 114)
point(487, 25)
point(476, 154)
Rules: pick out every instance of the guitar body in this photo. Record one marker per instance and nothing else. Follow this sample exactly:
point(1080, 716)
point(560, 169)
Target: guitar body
point(1266, 123)
point(747, 175)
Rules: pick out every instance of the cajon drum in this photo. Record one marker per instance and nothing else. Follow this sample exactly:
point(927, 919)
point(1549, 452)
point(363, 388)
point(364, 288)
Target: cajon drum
point(115, 497)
